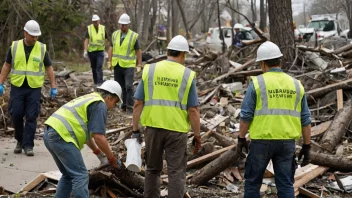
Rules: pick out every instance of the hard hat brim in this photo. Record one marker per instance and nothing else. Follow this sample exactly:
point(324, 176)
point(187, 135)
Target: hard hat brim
point(102, 88)
point(35, 34)
point(171, 48)
point(124, 23)
point(263, 59)
point(95, 20)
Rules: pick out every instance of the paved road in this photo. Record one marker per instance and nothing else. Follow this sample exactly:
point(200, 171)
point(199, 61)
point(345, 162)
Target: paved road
point(16, 170)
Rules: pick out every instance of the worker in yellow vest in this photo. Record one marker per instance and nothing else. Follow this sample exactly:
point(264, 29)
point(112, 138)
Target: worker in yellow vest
point(124, 54)
point(167, 105)
point(94, 46)
point(275, 111)
point(26, 61)
point(78, 122)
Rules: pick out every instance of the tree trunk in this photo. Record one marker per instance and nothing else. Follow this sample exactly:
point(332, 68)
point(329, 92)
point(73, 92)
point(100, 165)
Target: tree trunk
point(316, 93)
point(183, 19)
point(169, 21)
point(337, 128)
point(349, 16)
point(215, 167)
point(223, 141)
point(220, 30)
point(139, 15)
point(262, 24)
point(175, 17)
point(153, 20)
point(338, 163)
point(281, 29)
point(146, 21)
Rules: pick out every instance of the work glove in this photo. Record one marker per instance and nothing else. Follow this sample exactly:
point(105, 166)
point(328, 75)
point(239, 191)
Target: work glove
point(85, 54)
point(304, 152)
point(116, 164)
point(1, 89)
point(53, 93)
point(139, 68)
point(197, 143)
point(137, 134)
point(242, 144)
point(109, 65)
point(101, 156)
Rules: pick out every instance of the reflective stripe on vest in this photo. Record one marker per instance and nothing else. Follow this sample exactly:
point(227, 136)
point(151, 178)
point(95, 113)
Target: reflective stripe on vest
point(264, 97)
point(168, 103)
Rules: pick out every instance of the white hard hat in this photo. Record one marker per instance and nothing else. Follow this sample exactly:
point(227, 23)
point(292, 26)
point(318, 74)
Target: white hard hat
point(32, 28)
point(95, 17)
point(124, 19)
point(112, 87)
point(238, 26)
point(268, 50)
point(178, 43)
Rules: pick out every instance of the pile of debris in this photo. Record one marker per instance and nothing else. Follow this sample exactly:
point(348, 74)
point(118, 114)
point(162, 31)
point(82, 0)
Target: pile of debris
point(217, 170)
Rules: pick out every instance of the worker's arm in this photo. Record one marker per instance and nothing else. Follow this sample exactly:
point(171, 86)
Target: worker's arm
point(51, 76)
point(91, 144)
point(194, 118)
point(103, 144)
point(6, 68)
point(306, 134)
point(139, 56)
point(110, 54)
point(244, 126)
point(137, 111)
point(85, 44)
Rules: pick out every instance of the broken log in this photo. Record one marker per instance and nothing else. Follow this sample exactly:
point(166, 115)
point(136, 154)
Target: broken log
point(215, 167)
point(245, 65)
point(333, 135)
point(223, 141)
point(343, 49)
point(338, 163)
point(208, 157)
point(316, 93)
point(347, 54)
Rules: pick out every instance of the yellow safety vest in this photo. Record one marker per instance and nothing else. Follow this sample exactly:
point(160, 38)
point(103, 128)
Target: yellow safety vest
point(166, 89)
point(70, 120)
point(31, 69)
point(124, 54)
point(96, 39)
point(278, 107)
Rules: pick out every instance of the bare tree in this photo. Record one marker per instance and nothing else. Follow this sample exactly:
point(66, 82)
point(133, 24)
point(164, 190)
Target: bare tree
point(281, 29)
point(349, 15)
point(254, 9)
point(153, 19)
point(220, 30)
point(183, 18)
point(263, 14)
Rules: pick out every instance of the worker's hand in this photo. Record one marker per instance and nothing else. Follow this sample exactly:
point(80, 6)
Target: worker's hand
point(304, 152)
point(53, 93)
point(197, 143)
point(101, 156)
point(116, 164)
point(109, 65)
point(85, 54)
point(1, 89)
point(139, 67)
point(137, 135)
point(242, 144)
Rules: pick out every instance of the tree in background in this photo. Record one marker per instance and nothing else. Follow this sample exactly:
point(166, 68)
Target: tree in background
point(281, 29)
point(263, 14)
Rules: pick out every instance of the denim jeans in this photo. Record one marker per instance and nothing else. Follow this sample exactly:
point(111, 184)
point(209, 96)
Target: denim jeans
point(24, 102)
point(125, 77)
point(282, 154)
point(96, 63)
point(69, 160)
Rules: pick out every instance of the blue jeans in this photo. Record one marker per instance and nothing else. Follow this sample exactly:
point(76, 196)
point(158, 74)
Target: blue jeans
point(125, 77)
point(24, 102)
point(282, 154)
point(69, 160)
point(96, 63)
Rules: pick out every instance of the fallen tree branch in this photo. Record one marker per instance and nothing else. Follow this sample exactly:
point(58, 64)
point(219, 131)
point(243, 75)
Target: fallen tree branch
point(338, 163)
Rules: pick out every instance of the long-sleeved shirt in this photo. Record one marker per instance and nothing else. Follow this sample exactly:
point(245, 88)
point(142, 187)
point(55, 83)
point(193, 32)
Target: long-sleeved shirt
point(249, 103)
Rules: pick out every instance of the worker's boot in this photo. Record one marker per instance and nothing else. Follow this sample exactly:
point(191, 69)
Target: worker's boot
point(29, 152)
point(18, 148)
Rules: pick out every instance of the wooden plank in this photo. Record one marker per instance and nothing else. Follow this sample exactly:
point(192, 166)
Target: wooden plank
point(321, 128)
point(245, 65)
point(33, 183)
point(339, 94)
point(210, 95)
point(111, 193)
point(309, 176)
point(300, 172)
point(113, 131)
point(329, 88)
point(307, 193)
point(208, 157)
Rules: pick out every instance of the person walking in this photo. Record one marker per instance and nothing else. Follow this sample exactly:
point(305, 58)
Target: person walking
point(166, 102)
point(94, 46)
point(275, 111)
point(25, 61)
point(78, 122)
point(124, 53)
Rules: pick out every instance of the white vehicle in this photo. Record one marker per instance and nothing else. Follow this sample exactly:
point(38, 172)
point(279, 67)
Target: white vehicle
point(324, 26)
point(214, 41)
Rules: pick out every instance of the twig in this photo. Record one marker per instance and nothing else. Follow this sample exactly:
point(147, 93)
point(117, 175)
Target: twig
point(135, 194)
